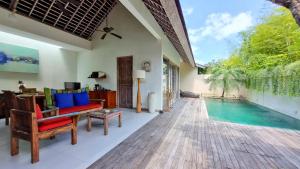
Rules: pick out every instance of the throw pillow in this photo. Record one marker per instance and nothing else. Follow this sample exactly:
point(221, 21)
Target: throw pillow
point(48, 96)
point(81, 98)
point(64, 100)
point(38, 111)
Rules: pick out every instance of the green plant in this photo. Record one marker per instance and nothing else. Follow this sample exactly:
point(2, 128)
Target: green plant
point(226, 78)
point(269, 55)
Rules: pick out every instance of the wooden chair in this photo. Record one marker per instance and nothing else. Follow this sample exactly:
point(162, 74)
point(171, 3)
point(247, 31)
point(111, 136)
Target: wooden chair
point(27, 123)
point(8, 104)
point(29, 91)
point(2, 105)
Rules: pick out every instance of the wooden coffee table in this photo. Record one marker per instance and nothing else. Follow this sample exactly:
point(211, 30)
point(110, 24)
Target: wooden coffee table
point(105, 116)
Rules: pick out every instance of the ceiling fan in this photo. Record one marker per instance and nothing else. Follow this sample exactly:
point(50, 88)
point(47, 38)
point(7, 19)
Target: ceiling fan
point(108, 30)
point(62, 8)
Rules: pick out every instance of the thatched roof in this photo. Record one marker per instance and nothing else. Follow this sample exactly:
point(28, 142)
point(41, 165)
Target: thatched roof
point(293, 5)
point(169, 16)
point(83, 19)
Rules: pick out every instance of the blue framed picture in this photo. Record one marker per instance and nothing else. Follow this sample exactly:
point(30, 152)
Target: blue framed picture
point(15, 58)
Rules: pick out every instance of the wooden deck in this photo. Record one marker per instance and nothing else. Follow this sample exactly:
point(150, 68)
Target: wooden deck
point(186, 138)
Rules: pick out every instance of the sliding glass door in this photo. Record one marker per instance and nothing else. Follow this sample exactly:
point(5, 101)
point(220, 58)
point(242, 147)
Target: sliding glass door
point(170, 84)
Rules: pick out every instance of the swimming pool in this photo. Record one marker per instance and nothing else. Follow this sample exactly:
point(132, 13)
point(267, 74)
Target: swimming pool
point(244, 112)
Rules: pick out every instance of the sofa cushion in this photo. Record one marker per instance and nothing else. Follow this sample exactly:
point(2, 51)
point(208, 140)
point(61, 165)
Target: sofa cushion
point(55, 123)
point(81, 99)
point(80, 108)
point(64, 100)
point(38, 111)
point(48, 96)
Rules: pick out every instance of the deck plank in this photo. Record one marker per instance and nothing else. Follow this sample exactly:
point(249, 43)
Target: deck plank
point(187, 138)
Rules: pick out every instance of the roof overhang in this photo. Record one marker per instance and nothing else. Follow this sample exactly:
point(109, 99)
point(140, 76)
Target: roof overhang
point(169, 16)
point(136, 8)
point(201, 66)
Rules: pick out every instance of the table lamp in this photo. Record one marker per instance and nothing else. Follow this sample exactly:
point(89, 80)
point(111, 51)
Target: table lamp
point(139, 74)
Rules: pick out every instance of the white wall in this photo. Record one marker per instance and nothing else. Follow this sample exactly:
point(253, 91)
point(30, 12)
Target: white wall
point(284, 104)
point(56, 65)
point(141, 12)
point(191, 81)
point(136, 42)
point(170, 52)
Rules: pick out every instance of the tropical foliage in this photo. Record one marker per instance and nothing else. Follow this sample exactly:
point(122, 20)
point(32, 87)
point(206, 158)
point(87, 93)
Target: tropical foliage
point(225, 78)
point(269, 55)
point(293, 5)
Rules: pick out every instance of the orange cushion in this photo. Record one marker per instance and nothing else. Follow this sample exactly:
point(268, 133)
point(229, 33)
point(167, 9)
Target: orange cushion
point(79, 108)
point(55, 123)
point(39, 114)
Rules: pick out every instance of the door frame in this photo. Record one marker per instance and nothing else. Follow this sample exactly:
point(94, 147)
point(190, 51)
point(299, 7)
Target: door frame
point(118, 85)
point(172, 83)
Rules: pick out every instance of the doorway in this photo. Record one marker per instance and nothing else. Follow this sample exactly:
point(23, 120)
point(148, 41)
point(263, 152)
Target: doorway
point(125, 81)
point(170, 84)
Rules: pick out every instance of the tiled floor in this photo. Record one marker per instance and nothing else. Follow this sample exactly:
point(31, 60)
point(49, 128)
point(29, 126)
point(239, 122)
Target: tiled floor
point(60, 154)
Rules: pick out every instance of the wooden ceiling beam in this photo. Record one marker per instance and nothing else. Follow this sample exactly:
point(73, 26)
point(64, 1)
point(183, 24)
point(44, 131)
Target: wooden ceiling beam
point(78, 7)
point(161, 17)
point(83, 21)
point(36, 1)
point(59, 16)
point(99, 10)
point(46, 14)
point(84, 15)
point(112, 3)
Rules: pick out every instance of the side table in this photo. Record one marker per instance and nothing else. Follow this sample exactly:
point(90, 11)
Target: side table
point(104, 115)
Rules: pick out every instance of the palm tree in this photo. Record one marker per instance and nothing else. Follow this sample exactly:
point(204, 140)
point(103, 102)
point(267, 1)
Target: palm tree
point(226, 78)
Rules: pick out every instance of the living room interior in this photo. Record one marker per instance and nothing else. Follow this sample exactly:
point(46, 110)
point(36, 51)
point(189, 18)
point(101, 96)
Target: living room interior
point(103, 66)
point(101, 84)
point(61, 63)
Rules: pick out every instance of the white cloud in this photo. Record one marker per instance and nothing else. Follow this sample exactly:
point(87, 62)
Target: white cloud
point(188, 11)
point(221, 26)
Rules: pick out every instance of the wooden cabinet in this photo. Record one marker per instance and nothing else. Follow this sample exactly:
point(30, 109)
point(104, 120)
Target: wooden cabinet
point(109, 96)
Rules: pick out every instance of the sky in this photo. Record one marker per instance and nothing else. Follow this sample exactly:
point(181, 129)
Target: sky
point(214, 25)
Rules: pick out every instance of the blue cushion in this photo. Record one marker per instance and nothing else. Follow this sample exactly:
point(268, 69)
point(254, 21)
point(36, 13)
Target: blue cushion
point(64, 100)
point(81, 98)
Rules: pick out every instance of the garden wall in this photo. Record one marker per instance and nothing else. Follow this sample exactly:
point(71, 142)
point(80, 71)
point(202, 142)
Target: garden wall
point(284, 104)
point(191, 81)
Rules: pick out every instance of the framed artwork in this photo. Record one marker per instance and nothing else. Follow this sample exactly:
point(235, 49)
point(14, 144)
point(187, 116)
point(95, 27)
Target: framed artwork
point(15, 58)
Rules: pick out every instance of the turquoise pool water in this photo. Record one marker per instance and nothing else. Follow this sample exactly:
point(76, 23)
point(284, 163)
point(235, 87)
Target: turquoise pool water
point(246, 113)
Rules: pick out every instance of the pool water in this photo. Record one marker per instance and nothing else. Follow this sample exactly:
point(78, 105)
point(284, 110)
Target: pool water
point(244, 112)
